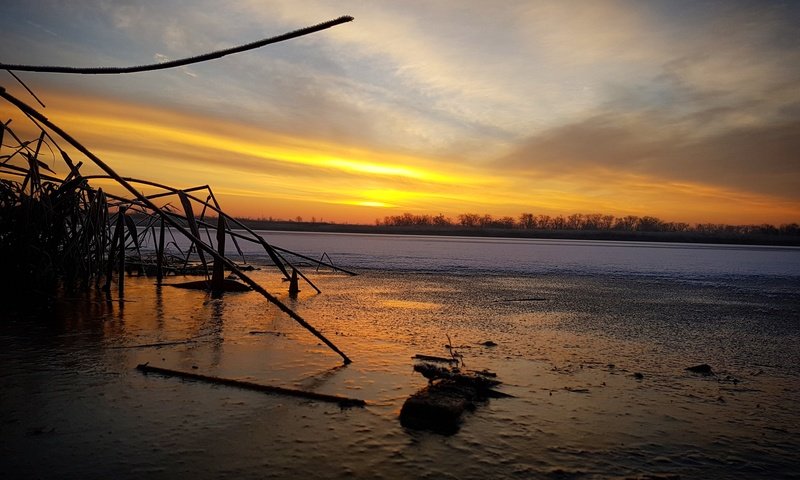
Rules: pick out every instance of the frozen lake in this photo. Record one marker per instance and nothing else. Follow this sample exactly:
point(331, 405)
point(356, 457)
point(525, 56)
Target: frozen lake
point(573, 322)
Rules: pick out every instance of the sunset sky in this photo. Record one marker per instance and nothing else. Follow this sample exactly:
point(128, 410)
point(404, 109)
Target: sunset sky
point(686, 110)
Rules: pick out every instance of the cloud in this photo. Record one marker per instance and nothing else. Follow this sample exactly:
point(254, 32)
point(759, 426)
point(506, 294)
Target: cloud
point(760, 159)
point(625, 94)
point(717, 108)
point(185, 150)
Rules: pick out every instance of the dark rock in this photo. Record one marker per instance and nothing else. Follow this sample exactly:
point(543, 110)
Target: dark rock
point(702, 369)
point(489, 343)
point(437, 407)
point(638, 376)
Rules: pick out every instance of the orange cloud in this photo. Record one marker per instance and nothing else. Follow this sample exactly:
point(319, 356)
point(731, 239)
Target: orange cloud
point(259, 173)
point(263, 167)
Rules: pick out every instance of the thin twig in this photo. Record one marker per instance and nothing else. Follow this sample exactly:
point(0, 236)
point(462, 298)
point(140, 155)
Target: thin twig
point(26, 88)
point(341, 401)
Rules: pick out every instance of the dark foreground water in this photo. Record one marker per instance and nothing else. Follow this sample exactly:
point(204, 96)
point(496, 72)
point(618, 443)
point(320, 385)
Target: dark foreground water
point(574, 321)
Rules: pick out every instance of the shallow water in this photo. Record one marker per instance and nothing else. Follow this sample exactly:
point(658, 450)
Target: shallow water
point(569, 341)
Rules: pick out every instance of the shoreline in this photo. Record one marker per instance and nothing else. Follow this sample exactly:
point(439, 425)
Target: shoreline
point(453, 231)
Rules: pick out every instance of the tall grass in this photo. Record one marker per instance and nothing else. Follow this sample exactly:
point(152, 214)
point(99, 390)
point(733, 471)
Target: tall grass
point(53, 230)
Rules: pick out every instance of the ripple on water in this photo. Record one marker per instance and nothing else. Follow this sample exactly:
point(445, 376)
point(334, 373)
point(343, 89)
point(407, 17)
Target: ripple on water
point(73, 404)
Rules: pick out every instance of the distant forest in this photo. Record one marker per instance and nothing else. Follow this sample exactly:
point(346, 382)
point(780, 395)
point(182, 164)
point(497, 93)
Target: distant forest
point(579, 226)
point(596, 222)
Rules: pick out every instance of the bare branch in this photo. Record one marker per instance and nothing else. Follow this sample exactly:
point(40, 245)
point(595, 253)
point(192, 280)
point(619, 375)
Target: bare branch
point(178, 63)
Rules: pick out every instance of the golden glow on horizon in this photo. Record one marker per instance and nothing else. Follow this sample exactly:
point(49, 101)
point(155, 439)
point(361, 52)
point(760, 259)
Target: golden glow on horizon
point(265, 145)
point(389, 170)
point(365, 203)
point(263, 173)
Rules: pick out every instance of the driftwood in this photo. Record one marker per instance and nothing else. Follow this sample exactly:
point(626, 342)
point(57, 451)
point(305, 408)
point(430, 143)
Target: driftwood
point(431, 358)
point(438, 407)
point(322, 397)
point(480, 382)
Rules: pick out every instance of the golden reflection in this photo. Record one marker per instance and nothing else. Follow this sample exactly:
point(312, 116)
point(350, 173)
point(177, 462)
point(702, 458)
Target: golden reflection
point(411, 304)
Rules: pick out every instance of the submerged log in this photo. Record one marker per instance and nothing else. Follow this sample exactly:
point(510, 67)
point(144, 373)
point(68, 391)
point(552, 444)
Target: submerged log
point(153, 345)
point(438, 407)
point(343, 402)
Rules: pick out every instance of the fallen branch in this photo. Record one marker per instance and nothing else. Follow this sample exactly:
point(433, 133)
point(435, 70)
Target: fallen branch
point(438, 407)
point(226, 286)
point(431, 358)
point(475, 380)
point(151, 345)
point(322, 397)
point(181, 62)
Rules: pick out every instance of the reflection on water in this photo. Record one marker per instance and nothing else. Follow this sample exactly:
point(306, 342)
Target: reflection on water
point(416, 305)
point(568, 347)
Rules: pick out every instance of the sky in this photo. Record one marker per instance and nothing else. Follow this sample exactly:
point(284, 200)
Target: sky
point(684, 110)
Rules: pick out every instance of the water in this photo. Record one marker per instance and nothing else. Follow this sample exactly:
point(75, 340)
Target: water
point(473, 255)
point(573, 322)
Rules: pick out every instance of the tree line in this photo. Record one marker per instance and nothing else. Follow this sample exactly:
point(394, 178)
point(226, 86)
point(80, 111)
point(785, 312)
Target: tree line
point(582, 221)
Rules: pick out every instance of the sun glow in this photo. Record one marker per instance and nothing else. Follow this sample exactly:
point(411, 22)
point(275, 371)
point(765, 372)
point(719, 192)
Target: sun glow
point(245, 161)
point(263, 173)
point(365, 203)
point(252, 143)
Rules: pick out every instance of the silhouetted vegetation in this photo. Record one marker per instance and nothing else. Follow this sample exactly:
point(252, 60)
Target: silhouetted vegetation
point(627, 230)
point(180, 62)
point(51, 230)
point(595, 222)
point(55, 229)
